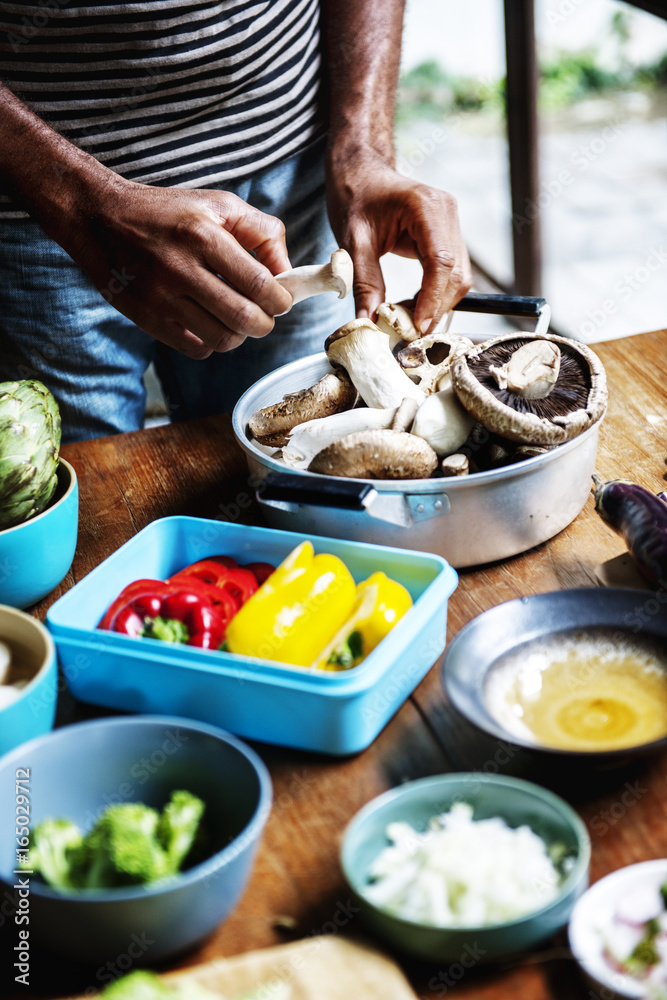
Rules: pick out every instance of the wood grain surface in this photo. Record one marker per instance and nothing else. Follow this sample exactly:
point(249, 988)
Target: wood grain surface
point(297, 889)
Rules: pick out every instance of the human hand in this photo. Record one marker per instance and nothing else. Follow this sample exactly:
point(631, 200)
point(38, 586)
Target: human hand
point(373, 211)
point(179, 263)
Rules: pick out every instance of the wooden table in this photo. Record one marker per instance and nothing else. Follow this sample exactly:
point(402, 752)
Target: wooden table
point(297, 887)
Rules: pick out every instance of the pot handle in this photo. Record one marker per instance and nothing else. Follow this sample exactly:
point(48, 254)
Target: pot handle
point(288, 487)
point(506, 305)
point(288, 490)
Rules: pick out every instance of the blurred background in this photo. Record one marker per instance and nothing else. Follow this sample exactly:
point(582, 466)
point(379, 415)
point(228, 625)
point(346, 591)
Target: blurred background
point(601, 196)
point(596, 200)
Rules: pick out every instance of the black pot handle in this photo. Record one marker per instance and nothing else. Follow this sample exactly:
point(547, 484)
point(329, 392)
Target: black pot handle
point(290, 487)
point(501, 305)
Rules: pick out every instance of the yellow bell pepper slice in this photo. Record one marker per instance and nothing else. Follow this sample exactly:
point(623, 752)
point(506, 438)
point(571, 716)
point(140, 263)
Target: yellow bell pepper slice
point(297, 609)
point(380, 603)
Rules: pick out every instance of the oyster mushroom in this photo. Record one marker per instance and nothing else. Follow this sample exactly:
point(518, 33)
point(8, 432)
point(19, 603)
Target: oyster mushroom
point(271, 424)
point(532, 389)
point(442, 420)
point(306, 440)
point(379, 454)
point(428, 360)
point(313, 279)
point(364, 351)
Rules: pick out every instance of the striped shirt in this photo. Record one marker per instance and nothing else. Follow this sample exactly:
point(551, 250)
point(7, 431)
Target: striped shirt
point(169, 92)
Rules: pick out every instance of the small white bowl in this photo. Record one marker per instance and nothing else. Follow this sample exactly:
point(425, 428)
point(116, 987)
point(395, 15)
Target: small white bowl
point(594, 911)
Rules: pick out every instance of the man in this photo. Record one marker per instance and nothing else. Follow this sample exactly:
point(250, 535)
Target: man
point(161, 162)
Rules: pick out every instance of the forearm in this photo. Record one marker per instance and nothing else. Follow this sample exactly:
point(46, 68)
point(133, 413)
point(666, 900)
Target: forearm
point(50, 177)
point(363, 50)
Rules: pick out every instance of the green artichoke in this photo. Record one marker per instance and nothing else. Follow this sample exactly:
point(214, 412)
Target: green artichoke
point(29, 448)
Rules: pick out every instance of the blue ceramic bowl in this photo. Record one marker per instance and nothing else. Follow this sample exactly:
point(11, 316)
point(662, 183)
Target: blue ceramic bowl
point(34, 660)
point(77, 772)
point(516, 801)
point(36, 555)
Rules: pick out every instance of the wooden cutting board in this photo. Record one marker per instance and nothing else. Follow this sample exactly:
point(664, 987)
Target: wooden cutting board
point(317, 968)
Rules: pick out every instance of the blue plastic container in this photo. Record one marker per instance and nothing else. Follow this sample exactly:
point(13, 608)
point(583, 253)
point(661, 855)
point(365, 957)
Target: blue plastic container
point(335, 713)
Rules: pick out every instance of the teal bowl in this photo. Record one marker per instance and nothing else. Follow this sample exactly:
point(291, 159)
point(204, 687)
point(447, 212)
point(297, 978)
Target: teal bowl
point(77, 772)
point(36, 555)
point(516, 801)
point(33, 660)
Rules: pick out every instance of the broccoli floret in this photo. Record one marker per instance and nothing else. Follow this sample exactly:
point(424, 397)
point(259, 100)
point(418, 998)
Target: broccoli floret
point(52, 845)
point(138, 985)
point(178, 827)
point(130, 844)
point(143, 985)
point(121, 849)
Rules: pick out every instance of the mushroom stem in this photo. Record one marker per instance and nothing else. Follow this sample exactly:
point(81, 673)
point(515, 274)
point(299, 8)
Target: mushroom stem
point(309, 438)
point(442, 421)
point(313, 279)
point(455, 465)
point(405, 414)
point(363, 350)
point(397, 322)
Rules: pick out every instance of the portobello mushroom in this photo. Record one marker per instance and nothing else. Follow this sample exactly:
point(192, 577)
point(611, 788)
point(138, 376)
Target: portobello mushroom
point(532, 389)
point(332, 394)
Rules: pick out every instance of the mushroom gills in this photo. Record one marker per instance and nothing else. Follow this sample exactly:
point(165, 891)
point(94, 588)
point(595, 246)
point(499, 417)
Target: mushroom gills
point(378, 454)
point(333, 393)
point(482, 379)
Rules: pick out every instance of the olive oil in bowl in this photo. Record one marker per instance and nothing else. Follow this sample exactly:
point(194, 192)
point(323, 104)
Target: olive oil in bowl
point(586, 690)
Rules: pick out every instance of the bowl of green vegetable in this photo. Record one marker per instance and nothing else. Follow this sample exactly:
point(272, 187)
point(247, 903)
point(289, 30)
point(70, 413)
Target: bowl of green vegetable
point(466, 868)
point(133, 835)
point(39, 495)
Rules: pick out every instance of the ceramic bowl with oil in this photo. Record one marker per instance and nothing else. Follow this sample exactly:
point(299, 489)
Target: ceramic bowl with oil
point(574, 672)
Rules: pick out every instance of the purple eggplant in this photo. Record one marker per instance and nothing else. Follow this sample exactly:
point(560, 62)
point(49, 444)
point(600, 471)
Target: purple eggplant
point(640, 517)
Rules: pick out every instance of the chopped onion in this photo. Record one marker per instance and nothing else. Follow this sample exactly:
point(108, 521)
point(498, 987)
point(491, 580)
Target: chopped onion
point(462, 872)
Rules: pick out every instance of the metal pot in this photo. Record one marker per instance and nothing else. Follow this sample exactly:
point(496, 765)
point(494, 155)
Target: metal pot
point(468, 520)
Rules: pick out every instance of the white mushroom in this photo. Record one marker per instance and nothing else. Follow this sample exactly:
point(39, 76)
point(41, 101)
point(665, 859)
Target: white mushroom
point(428, 360)
point(397, 322)
point(455, 465)
point(363, 350)
point(271, 424)
point(313, 279)
point(383, 454)
point(306, 440)
point(443, 421)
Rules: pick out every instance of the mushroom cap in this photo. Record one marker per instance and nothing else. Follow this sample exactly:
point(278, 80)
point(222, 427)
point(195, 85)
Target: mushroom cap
point(577, 400)
point(377, 454)
point(332, 394)
point(428, 359)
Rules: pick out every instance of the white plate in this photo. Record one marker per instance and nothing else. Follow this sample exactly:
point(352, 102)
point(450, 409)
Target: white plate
point(594, 911)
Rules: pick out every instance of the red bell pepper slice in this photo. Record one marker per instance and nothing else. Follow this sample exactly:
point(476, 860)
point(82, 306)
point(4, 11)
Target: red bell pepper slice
point(157, 587)
point(239, 582)
point(260, 570)
point(220, 598)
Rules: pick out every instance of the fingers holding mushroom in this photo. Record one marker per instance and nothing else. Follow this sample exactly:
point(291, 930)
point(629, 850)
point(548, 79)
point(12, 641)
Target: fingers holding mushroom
point(336, 276)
